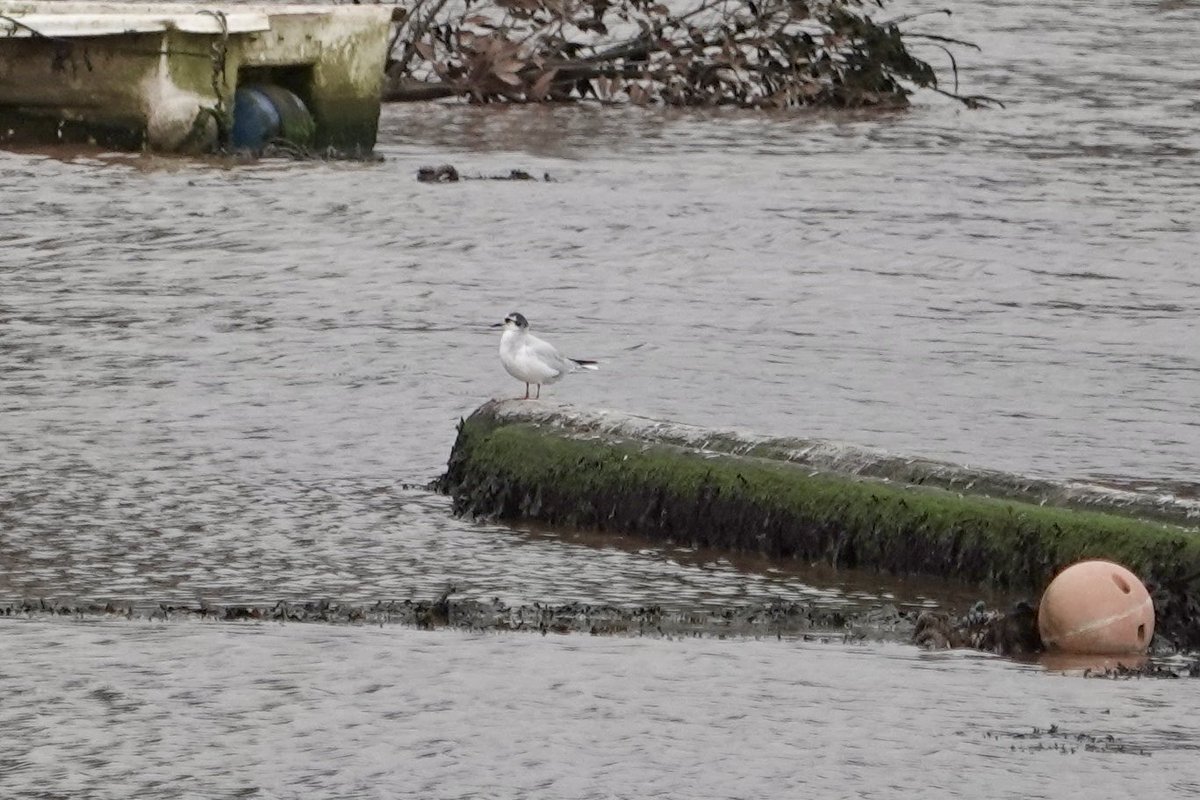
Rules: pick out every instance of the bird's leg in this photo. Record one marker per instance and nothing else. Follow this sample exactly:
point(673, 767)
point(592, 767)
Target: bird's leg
point(539, 392)
point(526, 397)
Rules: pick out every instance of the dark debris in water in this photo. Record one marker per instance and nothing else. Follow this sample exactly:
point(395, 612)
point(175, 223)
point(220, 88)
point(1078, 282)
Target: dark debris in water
point(283, 149)
point(1012, 633)
point(1057, 739)
point(1015, 634)
point(980, 629)
point(448, 173)
point(778, 619)
point(1148, 669)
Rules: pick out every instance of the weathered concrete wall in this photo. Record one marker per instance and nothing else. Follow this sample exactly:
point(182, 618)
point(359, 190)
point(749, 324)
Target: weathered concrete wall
point(347, 58)
point(79, 107)
point(169, 83)
point(815, 501)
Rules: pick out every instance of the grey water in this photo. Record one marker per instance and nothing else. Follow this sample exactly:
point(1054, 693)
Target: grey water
point(226, 383)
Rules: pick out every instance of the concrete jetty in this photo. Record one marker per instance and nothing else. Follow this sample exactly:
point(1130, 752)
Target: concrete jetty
point(819, 501)
point(166, 76)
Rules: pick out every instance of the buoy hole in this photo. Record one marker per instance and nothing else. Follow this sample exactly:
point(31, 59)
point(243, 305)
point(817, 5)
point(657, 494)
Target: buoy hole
point(1141, 632)
point(1121, 583)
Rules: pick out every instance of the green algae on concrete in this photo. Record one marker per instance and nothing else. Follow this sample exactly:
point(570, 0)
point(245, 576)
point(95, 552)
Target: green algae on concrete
point(517, 461)
point(842, 458)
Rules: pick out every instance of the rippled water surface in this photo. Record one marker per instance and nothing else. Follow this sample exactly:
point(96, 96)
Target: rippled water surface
point(222, 383)
point(209, 710)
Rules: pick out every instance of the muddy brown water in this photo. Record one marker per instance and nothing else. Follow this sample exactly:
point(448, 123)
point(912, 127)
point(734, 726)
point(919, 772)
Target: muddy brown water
point(216, 381)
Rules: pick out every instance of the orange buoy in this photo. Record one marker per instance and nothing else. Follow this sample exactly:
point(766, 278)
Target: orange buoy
point(1096, 607)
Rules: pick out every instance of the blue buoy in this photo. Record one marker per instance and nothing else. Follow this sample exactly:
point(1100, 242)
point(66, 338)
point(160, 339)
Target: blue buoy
point(255, 119)
point(263, 113)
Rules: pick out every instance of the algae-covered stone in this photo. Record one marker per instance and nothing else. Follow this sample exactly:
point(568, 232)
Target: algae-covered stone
point(518, 461)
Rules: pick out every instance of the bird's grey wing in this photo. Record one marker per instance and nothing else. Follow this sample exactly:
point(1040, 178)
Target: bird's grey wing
point(548, 354)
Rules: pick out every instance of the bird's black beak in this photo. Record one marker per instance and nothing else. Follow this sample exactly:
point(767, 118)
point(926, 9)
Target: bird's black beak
point(496, 325)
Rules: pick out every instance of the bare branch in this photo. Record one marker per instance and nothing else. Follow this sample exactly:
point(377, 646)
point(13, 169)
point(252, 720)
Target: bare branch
point(749, 53)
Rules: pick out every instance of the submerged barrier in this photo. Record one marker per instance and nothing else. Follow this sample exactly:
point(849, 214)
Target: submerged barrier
point(819, 501)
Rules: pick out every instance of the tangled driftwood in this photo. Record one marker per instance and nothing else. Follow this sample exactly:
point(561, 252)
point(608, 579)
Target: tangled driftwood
point(746, 53)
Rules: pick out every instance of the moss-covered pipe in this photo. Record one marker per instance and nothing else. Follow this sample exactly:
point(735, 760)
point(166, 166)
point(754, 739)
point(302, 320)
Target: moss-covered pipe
point(516, 461)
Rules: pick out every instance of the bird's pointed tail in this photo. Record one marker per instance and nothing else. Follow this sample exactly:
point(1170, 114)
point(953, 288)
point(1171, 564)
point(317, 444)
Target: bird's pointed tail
point(584, 363)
